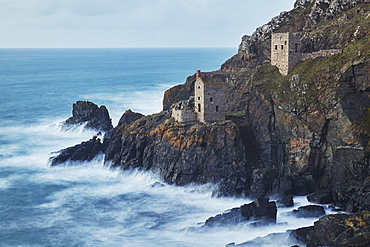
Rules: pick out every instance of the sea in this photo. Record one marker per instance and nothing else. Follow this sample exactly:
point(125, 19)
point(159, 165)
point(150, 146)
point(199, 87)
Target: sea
point(87, 203)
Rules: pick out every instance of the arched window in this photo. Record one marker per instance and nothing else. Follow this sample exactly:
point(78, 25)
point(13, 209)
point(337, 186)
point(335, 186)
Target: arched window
point(211, 99)
point(282, 47)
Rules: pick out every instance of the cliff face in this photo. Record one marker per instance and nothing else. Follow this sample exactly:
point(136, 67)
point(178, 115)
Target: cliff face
point(180, 153)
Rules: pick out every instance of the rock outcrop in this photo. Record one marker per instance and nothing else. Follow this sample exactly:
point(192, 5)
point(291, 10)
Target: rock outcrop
point(85, 151)
point(313, 211)
point(95, 117)
point(337, 230)
point(129, 117)
point(180, 153)
point(261, 212)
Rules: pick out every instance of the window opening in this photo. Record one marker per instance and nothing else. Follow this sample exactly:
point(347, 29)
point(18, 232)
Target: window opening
point(282, 47)
point(198, 107)
point(216, 108)
point(211, 99)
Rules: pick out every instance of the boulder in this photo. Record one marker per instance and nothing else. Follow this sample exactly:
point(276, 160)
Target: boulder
point(229, 217)
point(309, 211)
point(261, 208)
point(95, 117)
point(129, 117)
point(337, 230)
point(285, 201)
point(261, 211)
point(85, 151)
point(321, 197)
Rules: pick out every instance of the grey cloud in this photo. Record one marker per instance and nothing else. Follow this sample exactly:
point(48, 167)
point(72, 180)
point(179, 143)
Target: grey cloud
point(128, 23)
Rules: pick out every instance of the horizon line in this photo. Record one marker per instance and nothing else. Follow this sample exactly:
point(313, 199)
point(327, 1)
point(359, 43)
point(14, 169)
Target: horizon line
point(196, 47)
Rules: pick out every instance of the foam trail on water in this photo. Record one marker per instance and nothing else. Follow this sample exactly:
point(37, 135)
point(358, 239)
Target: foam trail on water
point(33, 144)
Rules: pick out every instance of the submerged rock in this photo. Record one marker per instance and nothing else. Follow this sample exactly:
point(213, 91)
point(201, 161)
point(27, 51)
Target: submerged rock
point(261, 211)
point(85, 151)
point(95, 117)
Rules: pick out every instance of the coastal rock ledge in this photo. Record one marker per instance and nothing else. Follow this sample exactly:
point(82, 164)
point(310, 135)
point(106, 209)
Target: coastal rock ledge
point(179, 153)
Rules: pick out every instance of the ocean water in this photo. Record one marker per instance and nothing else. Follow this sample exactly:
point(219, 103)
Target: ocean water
point(89, 204)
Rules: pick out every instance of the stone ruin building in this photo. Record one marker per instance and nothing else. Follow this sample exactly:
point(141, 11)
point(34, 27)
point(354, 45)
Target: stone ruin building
point(208, 103)
point(286, 52)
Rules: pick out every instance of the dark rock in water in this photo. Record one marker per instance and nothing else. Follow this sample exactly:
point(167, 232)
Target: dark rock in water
point(129, 117)
point(337, 230)
point(85, 151)
point(309, 211)
point(321, 197)
point(260, 210)
point(230, 217)
point(273, 239)
point(87, 112)
point(285, 201)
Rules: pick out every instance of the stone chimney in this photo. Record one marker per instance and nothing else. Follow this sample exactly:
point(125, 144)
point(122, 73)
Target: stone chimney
point(197, 74)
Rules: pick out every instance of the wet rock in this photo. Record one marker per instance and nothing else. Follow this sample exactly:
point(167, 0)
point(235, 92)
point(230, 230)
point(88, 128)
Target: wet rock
point(179, 153)
point(263, 181)
point(337, 230)
point(273, 239)
point(321, 197)
point(230, 217)
point(309, 211)
point(87, 112)
point(261, 208)
point(85, 151)
point(129, 117)
point(285, 201)
point(261, 211)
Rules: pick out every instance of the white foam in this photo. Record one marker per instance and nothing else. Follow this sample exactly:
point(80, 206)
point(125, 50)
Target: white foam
point(103, 207)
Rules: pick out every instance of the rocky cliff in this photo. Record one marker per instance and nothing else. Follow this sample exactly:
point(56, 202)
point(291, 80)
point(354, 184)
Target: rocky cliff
point(287, 135)
point(180, 153)
point(307, 131)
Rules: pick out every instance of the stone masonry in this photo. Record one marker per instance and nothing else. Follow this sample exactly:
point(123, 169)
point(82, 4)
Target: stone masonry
point(285, 51)
point(209, 99)
point(208, 103)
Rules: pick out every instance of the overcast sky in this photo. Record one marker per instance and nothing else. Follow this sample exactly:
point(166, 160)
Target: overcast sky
point(133, 23)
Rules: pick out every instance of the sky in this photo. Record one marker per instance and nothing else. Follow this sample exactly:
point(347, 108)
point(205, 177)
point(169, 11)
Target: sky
point(132, 23)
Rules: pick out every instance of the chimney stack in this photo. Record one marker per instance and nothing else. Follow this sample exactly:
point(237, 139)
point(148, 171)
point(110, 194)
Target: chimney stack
point(197, 74)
